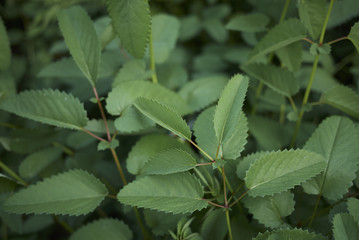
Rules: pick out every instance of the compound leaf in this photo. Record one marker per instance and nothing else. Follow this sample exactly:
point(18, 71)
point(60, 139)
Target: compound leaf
point(48, 106)
point(345, 227)
point(289, 234)
point(126, 93)
point(291, 56)
point(312, 14)
point(279, 79)
point(270, 210)
point(354, 35)
point(74, 192)
point(255, 22)
point(131, 20)
point(342, 98)
point(279, 171)
point(5, 56)
point(164, 116)
point(82, 41)
point(148, 147)
point(169, 161)
point(105, 229)
point(336, 139)
point(229, 107)
point(285, 33)
point(176, 193)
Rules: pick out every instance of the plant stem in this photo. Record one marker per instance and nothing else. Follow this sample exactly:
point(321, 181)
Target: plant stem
point(4, 231)
point(152, 60)
point(315, 210)
point(229, 224)
point(8, 125)
point(292, 103)
point(118, 165)
point(93, 135)
point(228, 184)
point(224, 188)
point(63, 224)
point(214, 204)
point(309, 86)
point(337, 40)
point(321, 39)
point(13, 174)
point(284, 11)
point(67, 150)
point(237, 200)
point(203, 164)
point(102, 114)
point(308, 40)
point(305, 100)
point(200, 149)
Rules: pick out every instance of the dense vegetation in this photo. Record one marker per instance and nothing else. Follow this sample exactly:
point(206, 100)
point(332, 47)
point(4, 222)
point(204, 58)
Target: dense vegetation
point(209, 119)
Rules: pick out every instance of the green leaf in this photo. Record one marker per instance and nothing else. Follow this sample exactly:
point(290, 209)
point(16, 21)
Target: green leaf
point(5, 56)
point(353, 208)
point(148, 147)
point(132, 121)
point(336, 139)
point(247, 161)
point(343, 11)
point(82, 41)
point(169, 161)
point(291, 56)
point(38, 161)
point(269, 134)
point(229, 107)
point(278, 79)
point(216, 29)
point(161, 222)
point(345, 227)
point(285, 33)
point(295, 234)
point(203, 91)
point(354, 35)
point(132, 70)
point(164, 116)
point(270, 210)
point(176, 193)
point(7, 184)
point(282, 170)
point(98, 126)
point(74, 192)
point(132, 22)
point(48, 106)
point(342, 98)
point(126, 93)
point(190, 27)
point(312, 14)
point(165, 30)
point(7, 85)
point(214, 225)
point(104, 229)
point(254, 22)
point(207, 140)
point(108, 145)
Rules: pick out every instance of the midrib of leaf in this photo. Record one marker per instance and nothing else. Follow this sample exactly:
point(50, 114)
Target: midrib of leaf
point(330, 157)
point(276, 210)
point(270, 180)
point(224, 125)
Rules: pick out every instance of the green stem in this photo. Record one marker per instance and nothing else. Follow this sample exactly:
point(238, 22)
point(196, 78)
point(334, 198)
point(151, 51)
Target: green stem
point(214, 204)
point(63, 224)
point(200, 149)
point(12, 174)
point(4, 231)
point(292, 103)
point(67, 150)
point(305, 100)
point(315, 210)
point(284, 11)
point(321, 39)
point(118, 165)
point(102, 114)
point(256, 97)
point(229, 224)
point(8, 125)
point(152, 60)
point(224, 188)
point(228, 184)
point(237, 200)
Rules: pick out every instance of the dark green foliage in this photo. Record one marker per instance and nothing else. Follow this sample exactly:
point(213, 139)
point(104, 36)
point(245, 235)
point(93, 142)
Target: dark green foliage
point(202, 120)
